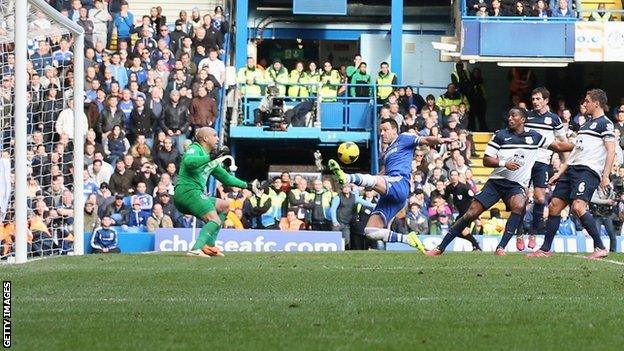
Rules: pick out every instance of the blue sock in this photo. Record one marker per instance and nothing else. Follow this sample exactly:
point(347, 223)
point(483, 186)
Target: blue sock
point(538, 213)
point(590, 225)
point(552, 225)
point(454, 232)
point(513, 223)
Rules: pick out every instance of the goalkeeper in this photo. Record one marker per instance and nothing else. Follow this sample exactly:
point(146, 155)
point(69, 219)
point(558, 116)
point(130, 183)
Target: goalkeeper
point(189, 197)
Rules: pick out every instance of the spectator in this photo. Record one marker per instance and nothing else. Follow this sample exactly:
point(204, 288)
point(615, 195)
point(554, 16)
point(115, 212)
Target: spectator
point(385, 80)
point(216, 67)
point(276, 75)
point(259, 209)
point(100, 17)
point(158, 219)
point(441, 224)
point(343, 213)
point(602, 208)
point(519, 10)
point(360, 76)
point(203, 111)
point(91, 219)
point(540, 9)
point(117, 210)
point(175, 120)
point(124, 21)
point(115, 145)
point(148, 176)
point(321, 199)
point(297, 81)
point(562, 10)
point(291, 222)
point(121, 180)
point(250, 78)
point(495, 11)
point(110, 117)
point(137, 216)
point(416, 220)
point(600, 15)
point(166, 155)
point(104, 238)
point(330, 80)
point(450, 98)
point(299, 201)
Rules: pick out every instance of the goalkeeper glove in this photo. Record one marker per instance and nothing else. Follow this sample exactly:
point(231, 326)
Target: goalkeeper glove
point(223, 151)
point(255, 187)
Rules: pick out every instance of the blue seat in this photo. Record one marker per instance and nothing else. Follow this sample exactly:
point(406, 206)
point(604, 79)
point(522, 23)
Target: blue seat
point(360, 116)
point(332, 116)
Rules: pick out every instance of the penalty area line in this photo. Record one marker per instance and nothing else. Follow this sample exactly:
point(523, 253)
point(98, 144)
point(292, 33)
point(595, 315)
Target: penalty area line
point(602, 259)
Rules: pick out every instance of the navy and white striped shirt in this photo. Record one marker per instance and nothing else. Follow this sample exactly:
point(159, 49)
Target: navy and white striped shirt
point(520, 148)
point(548, 125)
point(590, 150)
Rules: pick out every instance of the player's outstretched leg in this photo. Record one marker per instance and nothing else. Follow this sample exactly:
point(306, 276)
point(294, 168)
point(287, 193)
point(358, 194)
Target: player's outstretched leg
point(475, 210)
point(388, 236)
point(365, 180)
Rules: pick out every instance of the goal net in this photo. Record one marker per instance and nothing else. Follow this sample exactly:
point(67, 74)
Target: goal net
point(43, 131)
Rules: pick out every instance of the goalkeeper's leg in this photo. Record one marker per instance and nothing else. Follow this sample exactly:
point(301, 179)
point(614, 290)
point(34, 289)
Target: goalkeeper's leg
point(208, 234)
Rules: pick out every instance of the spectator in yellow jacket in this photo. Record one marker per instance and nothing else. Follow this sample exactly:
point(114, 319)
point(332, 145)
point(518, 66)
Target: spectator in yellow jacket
point(277, 75)
point(250, 79)
point(313, 77)
point(297, 82)
point(330, 82)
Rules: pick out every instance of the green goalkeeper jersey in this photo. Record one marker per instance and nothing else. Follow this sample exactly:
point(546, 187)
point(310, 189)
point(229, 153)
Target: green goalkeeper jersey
point(196, 167)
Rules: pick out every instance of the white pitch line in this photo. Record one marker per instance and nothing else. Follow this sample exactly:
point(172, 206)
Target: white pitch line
point(603, 259)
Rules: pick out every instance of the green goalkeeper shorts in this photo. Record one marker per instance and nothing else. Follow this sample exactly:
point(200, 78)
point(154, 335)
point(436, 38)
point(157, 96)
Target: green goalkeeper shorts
point(193, 202)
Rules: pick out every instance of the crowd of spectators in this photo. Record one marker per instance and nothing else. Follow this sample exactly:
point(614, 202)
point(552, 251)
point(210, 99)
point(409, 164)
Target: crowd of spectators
point(537, 8)
point(148, 86)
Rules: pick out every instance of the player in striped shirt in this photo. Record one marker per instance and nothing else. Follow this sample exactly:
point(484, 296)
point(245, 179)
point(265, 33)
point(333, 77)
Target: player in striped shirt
point(587, 168)
point(550, 126)
point(512, 152)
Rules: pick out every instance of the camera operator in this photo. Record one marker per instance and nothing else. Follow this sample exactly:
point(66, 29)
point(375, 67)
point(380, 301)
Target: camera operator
point(602, 208)
point(270, 111)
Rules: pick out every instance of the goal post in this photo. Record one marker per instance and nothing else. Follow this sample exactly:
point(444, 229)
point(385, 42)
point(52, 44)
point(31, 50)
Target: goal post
point(23, 12)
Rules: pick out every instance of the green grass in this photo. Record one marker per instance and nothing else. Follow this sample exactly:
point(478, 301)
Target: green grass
point(348, 301)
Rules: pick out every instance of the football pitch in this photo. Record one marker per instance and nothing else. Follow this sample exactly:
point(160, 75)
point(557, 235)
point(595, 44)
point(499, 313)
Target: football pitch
point(330, 301)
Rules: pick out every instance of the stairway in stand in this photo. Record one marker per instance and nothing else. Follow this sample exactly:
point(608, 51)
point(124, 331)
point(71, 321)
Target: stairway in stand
point(481, 173)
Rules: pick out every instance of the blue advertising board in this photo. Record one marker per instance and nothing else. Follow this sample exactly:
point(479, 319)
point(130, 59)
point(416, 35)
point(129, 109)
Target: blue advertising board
point(231, 240)
point(320, 7)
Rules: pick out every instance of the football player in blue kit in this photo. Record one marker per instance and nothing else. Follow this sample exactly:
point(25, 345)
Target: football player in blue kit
point(512, 152)
point(550, 126)
point(392, 183)
point(587, 168)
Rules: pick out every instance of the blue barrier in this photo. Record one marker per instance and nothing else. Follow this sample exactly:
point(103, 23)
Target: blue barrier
point(128, 242)
point(250, 240)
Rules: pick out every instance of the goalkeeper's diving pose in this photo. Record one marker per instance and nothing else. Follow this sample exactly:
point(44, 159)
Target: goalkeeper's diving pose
point(189, 196)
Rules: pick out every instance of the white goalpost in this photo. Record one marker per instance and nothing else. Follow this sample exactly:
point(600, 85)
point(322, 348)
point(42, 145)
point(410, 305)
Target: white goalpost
point(36, 21)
